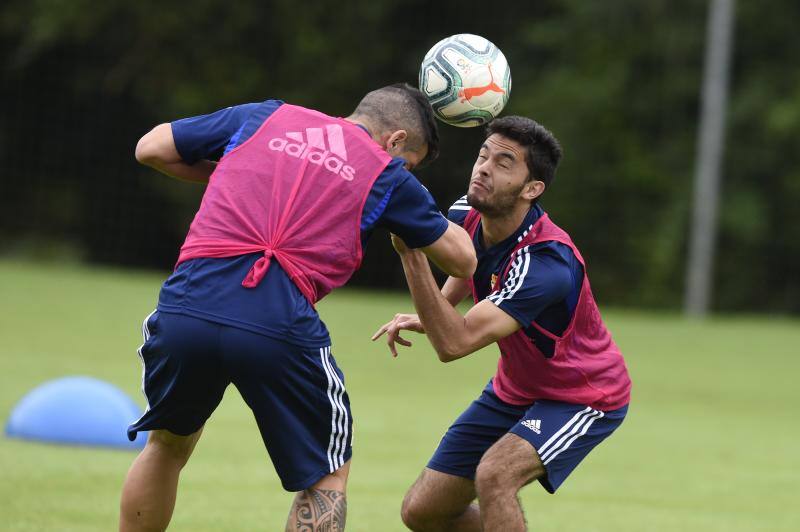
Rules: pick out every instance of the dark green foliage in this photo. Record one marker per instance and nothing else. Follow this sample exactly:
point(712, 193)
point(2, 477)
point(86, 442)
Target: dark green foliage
point(617, 82)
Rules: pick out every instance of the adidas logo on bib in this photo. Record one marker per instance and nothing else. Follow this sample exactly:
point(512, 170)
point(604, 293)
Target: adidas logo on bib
point(313, 147)
point(534, 424)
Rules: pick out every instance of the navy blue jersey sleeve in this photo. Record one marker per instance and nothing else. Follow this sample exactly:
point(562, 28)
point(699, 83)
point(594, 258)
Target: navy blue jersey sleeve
point(409, 211)
point(206, 136)
point(458, 211)
point(540, 276)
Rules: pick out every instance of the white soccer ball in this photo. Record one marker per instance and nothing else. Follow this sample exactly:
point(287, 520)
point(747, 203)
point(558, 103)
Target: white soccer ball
point(467, 80)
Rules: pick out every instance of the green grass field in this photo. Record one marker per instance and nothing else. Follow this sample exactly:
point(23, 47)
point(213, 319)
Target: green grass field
point(710, 443)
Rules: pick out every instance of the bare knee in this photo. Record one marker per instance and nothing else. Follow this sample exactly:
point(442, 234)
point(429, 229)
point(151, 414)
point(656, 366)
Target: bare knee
point(439, 501)
point(171, 446)
point(413, 512)
point(497, 478)
point(421, 513)
point(506, 467)
point(489, 481)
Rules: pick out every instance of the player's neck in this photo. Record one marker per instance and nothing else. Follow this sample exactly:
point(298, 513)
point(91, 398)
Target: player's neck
point(495, 229)
point(357, 120)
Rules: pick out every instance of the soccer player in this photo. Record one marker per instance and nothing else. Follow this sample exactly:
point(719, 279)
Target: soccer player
point(561, 385)
point(283, 221)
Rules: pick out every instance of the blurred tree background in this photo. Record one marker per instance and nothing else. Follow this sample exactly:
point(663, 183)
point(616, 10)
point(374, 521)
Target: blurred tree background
point(618, 82)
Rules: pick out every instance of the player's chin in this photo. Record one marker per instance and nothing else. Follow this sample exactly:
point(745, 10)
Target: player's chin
point(477, 196)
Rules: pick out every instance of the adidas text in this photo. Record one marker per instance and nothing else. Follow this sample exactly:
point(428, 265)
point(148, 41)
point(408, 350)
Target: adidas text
point(301, 150)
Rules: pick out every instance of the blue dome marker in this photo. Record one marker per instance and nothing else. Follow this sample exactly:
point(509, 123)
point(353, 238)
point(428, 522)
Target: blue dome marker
point(76, 411)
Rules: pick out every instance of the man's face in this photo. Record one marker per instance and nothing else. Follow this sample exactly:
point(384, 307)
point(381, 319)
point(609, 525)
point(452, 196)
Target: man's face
point(499, 177)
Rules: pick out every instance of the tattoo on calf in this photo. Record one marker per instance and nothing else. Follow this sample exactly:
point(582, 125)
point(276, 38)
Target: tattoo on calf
point(317, 510)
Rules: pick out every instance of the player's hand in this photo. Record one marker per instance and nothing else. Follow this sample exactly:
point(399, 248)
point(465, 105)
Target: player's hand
point(401, 322)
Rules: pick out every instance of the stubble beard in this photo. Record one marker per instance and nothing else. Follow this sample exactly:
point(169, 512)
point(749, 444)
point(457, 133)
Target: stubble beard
point(494, 207)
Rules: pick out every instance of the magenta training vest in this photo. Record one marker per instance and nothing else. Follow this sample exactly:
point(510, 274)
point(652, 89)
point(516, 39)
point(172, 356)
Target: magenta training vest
point(294, 191)
point(586, 368)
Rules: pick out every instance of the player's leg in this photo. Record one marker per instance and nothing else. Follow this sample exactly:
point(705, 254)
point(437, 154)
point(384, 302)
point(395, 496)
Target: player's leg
point(546, 444)
point(506, 467)
point(150, 489)
point(298, 398)
point(183, 382)
point(441, 502)
point(323, 506)
point(442, 498)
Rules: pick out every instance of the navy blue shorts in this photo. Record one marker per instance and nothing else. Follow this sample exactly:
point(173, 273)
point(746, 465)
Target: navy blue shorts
point(562, 434)
point(297, 395)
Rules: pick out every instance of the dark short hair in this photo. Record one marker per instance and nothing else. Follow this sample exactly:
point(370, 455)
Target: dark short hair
point(542, 149)
point(401, 106)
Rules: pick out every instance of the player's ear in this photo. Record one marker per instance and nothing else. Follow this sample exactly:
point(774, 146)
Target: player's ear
point(533, 189)
point(395, 141)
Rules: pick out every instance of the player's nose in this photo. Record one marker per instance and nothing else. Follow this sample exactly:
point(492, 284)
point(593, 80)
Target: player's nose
point(483, 168)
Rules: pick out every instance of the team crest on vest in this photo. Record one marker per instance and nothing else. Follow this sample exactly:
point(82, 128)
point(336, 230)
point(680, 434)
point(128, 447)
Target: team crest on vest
point(493, 282)
point(313, 147)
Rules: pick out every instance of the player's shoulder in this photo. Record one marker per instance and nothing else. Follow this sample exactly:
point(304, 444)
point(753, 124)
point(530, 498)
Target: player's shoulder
point(233, 114)
point(266, 106)
point(262, 109)
point(534, 270)
point(249, 107)
point(458, 211)
point(272, 102)
point(555, 252)
point(396, 174)
point(552, 261)
point(400, 188)
point(552, 252)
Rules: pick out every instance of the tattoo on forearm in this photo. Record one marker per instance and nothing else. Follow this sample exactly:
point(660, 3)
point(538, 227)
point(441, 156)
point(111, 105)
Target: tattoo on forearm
point(318, 511)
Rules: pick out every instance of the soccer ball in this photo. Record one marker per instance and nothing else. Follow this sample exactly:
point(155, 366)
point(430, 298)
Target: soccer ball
point(467, 80)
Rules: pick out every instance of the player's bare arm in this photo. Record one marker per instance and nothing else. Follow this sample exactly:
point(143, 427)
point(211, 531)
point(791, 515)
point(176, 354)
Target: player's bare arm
point(453, 252)
point(454, 290)
point(452, 335)
point(157, 150)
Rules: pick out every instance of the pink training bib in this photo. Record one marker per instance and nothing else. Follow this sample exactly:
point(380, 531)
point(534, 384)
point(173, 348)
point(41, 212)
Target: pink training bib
point(295, 191)
point(586, 368)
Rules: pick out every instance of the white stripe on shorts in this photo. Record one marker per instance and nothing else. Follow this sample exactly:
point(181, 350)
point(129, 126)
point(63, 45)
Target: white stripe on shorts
point(146, 337)
point(337, 428)
point(541, 450)
point(341, 440)
point(591, 418)
point(334, 410)
point(339, 418)
point(575, 427)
